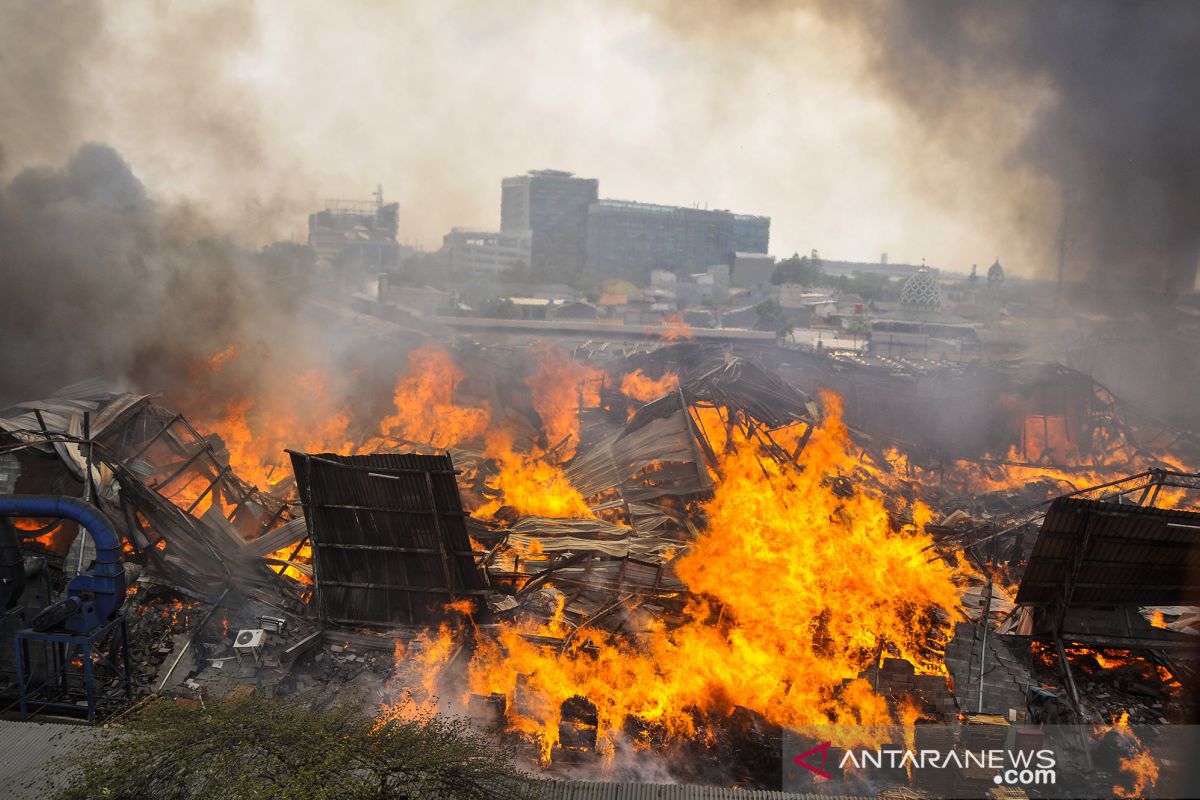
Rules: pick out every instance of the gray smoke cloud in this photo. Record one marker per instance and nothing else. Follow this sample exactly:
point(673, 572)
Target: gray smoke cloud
point(1119, 132)
point(1104, 94)
point(950, 130)
point(996, 117)
point(101, 280)
point(43, 56)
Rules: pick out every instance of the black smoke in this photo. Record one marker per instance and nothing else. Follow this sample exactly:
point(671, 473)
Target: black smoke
point(1120, 134)
point(97, 279)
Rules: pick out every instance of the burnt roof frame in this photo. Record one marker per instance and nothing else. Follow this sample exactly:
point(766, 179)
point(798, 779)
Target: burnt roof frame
point(1121, 554)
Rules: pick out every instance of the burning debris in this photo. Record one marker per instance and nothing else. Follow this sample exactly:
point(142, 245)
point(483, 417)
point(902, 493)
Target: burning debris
point(655, 552)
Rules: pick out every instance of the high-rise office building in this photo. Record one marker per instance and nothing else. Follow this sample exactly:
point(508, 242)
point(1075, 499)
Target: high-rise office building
point(631, 239)
point(553, 206)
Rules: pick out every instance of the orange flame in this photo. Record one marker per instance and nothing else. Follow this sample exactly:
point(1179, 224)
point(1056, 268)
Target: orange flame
point(50, 532)
point(302, 415)
point(638, 386)
point(676, 329)
point(560, 388)
point(302, 556)
point(531, 484)
point(424, 658)
point(1140, 766)
point(842, 580)
point(424, 402)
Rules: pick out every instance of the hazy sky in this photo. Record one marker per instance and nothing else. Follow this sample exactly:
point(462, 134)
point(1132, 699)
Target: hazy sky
point(255, 112)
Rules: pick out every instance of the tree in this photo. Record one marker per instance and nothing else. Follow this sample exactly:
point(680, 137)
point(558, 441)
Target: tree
point(859, 327)
point(258, 747)
point(773, 317)
point(866, 285)
point(798, 269)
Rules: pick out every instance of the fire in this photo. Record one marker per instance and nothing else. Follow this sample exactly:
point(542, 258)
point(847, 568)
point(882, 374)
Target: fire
point(191, 491)
point(638, 386)
point(842, 581)
point(676, 330)
point(216, 361)
point(1046, 438)
point(427, 656)
point(531, 484)
point(47, 534)
point(464, 607)
point(302, 415)
point(308, 413)
point(1011, 471)
point(424, 402)
point(1144, 771)
point(1140, 766)
point(560, 388)
point(303, 556)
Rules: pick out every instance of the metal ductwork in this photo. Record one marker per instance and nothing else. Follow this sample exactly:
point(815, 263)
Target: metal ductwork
point(12, 566)
point(92, 597)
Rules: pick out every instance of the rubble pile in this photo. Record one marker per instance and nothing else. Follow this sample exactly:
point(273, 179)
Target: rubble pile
point(529, 530)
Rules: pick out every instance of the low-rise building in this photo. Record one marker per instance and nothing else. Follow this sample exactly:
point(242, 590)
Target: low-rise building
point(748, 270)
point(575, 311)
point(486, 253)
point(794, 297)
point(356, 233)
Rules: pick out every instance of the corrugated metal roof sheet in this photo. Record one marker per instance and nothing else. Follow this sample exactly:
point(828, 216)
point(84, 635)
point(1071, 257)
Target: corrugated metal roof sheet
point(587, 790)
point(389, 536)
point(27, 748)
point(1133, 555)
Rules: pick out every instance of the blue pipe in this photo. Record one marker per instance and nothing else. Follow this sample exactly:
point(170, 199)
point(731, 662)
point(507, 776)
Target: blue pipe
point(99, 593)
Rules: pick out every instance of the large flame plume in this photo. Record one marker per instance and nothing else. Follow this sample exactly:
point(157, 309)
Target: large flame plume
point(559, 388)
point(425, 405)
point(795, 591)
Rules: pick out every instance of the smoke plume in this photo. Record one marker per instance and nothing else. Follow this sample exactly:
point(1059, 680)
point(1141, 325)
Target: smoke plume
point(1119, 133)
point(101, 280)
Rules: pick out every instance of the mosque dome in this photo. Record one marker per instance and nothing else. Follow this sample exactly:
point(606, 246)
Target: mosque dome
point(921, 292)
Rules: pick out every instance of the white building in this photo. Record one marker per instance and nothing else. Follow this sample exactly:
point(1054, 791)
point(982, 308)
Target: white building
point(485, 253)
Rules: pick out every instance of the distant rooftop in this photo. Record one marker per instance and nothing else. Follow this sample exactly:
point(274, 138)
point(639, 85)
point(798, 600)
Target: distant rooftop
point(657, 208)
